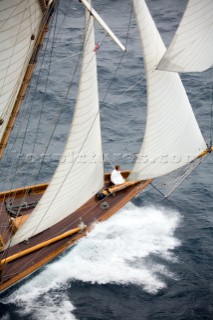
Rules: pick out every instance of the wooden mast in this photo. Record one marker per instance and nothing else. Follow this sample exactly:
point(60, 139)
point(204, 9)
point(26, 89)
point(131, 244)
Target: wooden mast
point(28, 74)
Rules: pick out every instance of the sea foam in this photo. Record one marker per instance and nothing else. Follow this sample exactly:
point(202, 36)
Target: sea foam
point(133, 247)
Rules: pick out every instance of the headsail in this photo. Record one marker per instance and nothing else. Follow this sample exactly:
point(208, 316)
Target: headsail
point(19, 27)
point(191, 49)
point(172, 135)
point(80, 175)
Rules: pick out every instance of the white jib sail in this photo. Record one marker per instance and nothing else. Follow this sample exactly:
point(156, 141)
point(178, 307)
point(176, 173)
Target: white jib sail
point(19, 20)
point(80, 175)
point(172, 136)
point(191, 49)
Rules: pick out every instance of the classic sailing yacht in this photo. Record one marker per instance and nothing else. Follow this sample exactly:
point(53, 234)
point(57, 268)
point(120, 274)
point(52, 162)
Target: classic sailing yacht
point(41, 221)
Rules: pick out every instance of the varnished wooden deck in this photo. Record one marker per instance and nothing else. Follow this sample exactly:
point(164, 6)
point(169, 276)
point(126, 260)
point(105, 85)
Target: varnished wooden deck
point(90, 213)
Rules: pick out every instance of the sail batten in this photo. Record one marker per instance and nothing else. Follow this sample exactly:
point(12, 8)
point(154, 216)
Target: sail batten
point(172, 135)
point(79, 175)
point(191, 49)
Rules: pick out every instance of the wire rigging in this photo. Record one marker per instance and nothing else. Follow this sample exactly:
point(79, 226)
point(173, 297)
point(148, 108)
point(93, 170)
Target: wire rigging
point(106, 93)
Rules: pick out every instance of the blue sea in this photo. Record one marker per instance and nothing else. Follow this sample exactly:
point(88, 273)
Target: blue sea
point(153, 260)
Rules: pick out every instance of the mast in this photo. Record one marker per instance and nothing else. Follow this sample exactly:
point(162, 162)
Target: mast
point(172, 134)
point(22, 29)
point(81, 175)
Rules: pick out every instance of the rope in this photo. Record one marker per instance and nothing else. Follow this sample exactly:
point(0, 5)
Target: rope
point(108, 88)
point(97, 114)
point(111, 164)
point(60, 111)
point(157, 189)
point(38, 79)
point(44, 20)
point(26, 130)
point(79, 150)
point(26, 192)
point(7, 173)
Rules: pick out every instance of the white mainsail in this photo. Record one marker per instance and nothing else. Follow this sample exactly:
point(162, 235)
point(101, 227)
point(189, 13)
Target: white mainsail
point(191, 49)
point(80, 174)
point(172, 135)
point(19, 20)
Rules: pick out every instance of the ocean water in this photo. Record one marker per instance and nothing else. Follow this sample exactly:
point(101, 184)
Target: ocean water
point(153, 260)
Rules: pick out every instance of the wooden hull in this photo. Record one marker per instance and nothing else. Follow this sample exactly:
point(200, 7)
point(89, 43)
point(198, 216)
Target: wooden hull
point(93, 211)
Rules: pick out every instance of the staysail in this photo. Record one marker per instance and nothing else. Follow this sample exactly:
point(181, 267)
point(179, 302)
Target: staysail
point(172, 136)
point(79, 175)
point(19, 27)
point(191, 49)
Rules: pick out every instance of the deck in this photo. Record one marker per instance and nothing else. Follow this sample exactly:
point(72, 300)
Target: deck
point(90, 213)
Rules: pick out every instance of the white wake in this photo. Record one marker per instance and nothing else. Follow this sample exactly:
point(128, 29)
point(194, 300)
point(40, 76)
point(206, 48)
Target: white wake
point(130, 248)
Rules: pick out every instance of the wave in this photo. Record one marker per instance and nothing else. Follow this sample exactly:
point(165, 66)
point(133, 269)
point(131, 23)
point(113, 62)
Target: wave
point(133, 247)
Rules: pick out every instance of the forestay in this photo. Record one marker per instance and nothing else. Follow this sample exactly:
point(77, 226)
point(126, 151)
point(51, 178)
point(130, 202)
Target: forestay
point(79, 175)
point(191, 49)
point(172, 136)
point(19, 20)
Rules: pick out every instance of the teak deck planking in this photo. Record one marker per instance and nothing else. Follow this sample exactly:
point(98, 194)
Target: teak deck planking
point(90, 213)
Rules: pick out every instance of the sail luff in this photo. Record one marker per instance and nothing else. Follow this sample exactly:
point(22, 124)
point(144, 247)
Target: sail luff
point(81, 175)
point(172, 135)
point(191, 49)
point(21, 33)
